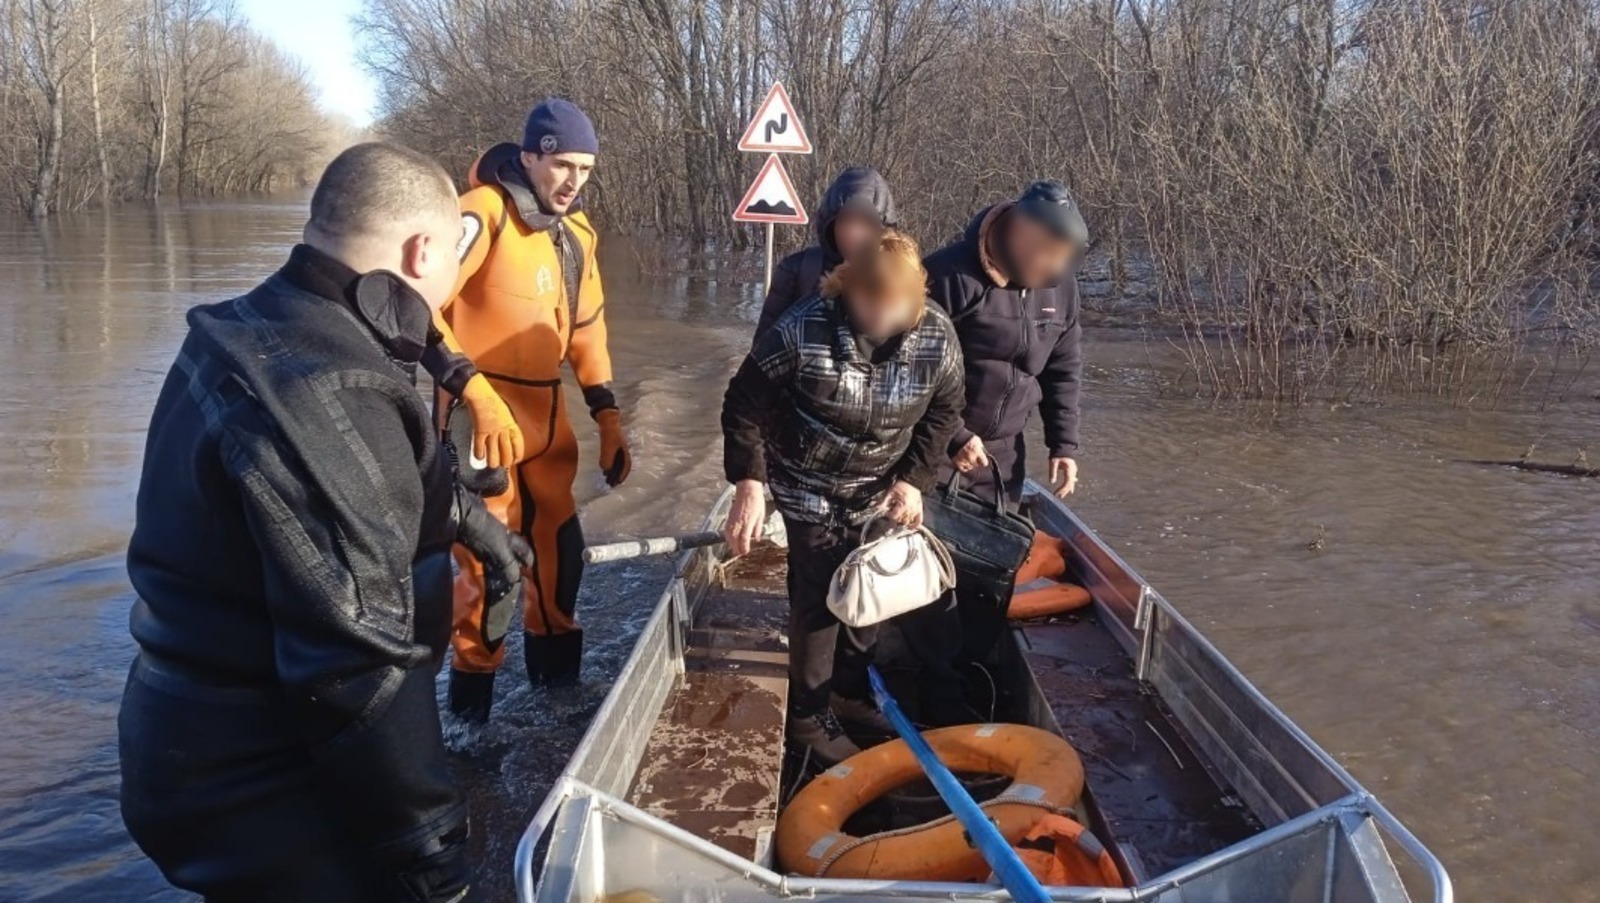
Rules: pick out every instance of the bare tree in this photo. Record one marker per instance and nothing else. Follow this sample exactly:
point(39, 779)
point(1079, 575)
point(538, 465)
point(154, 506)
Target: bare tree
point(205, 105)
point(93, 17)
point(1320, 198)
point(49, 59)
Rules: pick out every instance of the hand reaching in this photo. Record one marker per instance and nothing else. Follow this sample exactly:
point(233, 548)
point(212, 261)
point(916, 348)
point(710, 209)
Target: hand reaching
point(1064, 476)
point(746, 517)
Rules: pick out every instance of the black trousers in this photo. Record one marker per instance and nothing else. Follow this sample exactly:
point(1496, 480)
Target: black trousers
point(237, 817)
point(824, 655)
point(945, 634)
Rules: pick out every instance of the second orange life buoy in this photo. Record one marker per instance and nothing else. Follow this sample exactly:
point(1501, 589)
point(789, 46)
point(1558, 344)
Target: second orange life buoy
point(1047, 777)
point(1063, 853)
point(1047, 560)
point(1054, 599)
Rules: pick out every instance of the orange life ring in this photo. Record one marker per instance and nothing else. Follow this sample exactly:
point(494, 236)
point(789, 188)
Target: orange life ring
point(1063, 853)
point(1047, 777)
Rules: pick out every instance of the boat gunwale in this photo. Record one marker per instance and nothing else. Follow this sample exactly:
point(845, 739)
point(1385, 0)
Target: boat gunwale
point(598, 803)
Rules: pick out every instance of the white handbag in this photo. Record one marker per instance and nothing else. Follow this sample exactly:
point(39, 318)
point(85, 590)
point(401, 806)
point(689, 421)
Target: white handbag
point(901, 571)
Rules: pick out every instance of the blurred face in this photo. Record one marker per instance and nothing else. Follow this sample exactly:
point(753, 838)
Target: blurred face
point(557, 178)
point(429, 260)
point(884, 311)
point(1039, 256)
point(854, 231)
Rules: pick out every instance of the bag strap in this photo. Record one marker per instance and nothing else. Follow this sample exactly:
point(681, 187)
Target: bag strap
point(895, 531)
point(854, 559)
point(932, 543)
point(954, 485)
point(941, 553)
point(911, 554)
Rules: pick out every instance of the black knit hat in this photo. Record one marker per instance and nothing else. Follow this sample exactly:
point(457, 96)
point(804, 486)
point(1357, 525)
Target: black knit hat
point(1050, 204)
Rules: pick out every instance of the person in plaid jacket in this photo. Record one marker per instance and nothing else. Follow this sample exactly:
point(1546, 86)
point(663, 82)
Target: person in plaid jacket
point(845, 409)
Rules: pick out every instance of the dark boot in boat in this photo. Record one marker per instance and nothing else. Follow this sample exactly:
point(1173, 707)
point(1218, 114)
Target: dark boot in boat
point(823, 735)
point(471, 694)
point(863, 716)
point(553, 660)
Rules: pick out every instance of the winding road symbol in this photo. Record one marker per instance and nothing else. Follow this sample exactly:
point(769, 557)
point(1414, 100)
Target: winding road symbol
point(776, 127)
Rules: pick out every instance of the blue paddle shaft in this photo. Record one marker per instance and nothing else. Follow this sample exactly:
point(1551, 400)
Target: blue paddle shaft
point(985, 836)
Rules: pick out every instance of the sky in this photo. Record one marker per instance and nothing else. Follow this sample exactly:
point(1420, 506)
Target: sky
point(319, 32)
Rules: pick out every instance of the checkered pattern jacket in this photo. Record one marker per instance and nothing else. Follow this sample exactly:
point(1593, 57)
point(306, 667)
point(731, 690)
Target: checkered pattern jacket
point(843, 429)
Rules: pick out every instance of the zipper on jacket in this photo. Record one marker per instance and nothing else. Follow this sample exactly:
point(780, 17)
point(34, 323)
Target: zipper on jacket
point(1027, 327)
point(570, 287)
point(872, 402)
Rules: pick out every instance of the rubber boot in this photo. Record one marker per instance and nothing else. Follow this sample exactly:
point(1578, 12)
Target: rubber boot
point(823, 735)
point(553, 660)
point(863, 715)
point(471, 694)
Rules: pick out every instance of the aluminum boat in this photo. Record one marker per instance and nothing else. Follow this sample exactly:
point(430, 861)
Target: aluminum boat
point(1203, 791)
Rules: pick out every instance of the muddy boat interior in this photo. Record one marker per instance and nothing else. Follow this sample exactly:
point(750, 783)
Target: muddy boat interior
point(1197, 786)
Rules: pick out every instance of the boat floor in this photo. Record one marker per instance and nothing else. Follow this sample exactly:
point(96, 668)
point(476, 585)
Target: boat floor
point(1157, 800)
point(714, 760)
point(714, 763)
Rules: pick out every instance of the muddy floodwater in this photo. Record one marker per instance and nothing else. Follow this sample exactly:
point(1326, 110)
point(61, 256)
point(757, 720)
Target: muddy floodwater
point(1434, 624)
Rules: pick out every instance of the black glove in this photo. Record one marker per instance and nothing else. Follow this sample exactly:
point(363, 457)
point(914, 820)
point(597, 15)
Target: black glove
point(504, 556)
point(440, 873)
point(485, 481)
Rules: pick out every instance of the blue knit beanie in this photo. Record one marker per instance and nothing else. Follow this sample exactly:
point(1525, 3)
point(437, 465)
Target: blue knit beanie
point(557, 126)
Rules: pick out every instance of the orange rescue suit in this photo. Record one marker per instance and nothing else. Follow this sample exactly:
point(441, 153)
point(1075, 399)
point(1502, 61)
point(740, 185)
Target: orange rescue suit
point(527, 302)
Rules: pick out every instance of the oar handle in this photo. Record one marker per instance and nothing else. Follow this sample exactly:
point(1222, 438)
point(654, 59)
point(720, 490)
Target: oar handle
point(639, 548)
point(1008, 867)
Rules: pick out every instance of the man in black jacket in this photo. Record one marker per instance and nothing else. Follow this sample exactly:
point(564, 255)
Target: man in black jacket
point(279, 735)
point(1009, 287)
point(853, 213)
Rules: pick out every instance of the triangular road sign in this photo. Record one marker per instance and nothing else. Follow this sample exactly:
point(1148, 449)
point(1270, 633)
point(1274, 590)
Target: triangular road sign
point(776, 128)
point(771, 198)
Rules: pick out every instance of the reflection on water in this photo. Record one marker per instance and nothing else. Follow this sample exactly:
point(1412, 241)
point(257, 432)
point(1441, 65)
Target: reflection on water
point(1443, 640)
point(89, 313)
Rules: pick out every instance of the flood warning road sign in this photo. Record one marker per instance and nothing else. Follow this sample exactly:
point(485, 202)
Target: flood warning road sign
point(776, 129)
point(771, 198)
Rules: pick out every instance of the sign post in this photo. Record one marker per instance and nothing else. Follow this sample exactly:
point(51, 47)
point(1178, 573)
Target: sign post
point(766, 281)
point(771, 198)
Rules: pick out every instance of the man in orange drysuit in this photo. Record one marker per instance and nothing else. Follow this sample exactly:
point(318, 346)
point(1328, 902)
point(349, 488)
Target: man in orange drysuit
point(529, 299)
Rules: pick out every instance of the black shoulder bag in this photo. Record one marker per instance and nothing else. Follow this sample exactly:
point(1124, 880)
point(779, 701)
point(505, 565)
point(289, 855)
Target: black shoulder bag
point(987, 541)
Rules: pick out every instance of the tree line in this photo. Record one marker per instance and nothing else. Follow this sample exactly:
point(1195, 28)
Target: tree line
point(109, 100)
point(1323, 195)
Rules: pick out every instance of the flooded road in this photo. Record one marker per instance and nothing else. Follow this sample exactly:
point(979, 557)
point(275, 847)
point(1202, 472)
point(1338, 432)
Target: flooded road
point(1442, 639)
